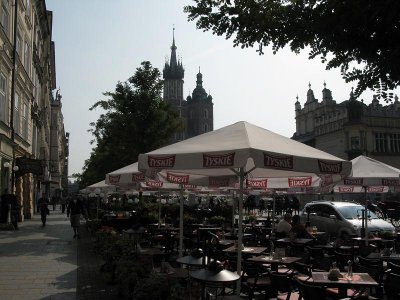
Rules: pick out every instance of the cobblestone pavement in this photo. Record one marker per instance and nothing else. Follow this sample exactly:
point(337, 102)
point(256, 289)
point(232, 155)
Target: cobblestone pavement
point(47, 263)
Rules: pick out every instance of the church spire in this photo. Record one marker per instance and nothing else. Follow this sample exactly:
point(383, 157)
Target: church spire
point(173, 61)
point(173, 69)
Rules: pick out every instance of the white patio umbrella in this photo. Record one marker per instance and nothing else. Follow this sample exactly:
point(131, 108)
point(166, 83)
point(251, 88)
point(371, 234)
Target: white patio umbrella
point(238, 149)
point(369, 176)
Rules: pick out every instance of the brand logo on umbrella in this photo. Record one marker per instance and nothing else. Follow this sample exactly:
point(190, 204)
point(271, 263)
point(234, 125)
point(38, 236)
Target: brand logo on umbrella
point(390, 182)
point(278, 162)
point(113, 178)
point(161, 161)
point(153, 183)
point(218, 181)
point(226, 160)
point(327, 180)
point(329, 167)
point(347, 189)
point(353, 181)
point(177, 178)
point(375, 189)
point(260, 183)
point(299, 182)
point(190, 186)
point(137, 177)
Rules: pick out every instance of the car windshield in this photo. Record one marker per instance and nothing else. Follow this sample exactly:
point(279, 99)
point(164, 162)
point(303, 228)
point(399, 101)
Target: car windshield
point(354, 212)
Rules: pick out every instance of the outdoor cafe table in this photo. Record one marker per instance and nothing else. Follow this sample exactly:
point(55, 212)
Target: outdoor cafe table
point(394, 257)
point(191, 261)
point(357, 280)
point(247, 250)
point(275, 262)
point(295, 241)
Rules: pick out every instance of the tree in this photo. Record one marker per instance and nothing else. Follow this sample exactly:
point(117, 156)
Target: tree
point(359, 36)
point(136, 120)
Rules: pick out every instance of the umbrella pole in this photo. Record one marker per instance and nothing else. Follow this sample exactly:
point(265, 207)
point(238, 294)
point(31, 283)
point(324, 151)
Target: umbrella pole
point(240, 230)
point(159, 209)
point(181, 223)
point(366, 216)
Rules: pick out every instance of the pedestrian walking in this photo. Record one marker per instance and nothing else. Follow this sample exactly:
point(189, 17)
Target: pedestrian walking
point(74, 210)
point(43, 208)
point(64, 202)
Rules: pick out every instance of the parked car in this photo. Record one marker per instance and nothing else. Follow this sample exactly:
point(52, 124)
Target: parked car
point(342, 218)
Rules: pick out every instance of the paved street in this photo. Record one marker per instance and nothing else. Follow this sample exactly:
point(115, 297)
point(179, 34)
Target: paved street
point(47, 263)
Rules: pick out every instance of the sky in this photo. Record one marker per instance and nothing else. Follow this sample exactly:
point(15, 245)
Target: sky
point(99, 43)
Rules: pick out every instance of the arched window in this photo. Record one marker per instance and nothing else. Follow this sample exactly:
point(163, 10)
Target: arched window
point(205, 114)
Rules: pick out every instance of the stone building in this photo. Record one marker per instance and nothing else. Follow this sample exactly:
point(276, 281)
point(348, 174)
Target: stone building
point(350, 128)
point(27, 81)
point(197, 110)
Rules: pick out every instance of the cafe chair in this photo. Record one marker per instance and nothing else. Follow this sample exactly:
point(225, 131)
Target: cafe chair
point(255, 281)
point(310, 291)
point(315, 252)
point(283, 287)
point(342, 260)
point(376, 274)
point(302, 268)
point(370, 263)
point(393, 268)
point(392, 286)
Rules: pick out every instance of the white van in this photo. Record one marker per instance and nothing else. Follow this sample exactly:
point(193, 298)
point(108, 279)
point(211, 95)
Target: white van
point(342, 218)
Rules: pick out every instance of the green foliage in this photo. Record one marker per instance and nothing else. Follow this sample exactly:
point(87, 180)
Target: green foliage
point(136, 120)
point(357, 36)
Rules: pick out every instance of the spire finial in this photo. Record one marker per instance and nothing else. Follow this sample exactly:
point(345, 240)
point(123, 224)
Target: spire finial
point(199, 69)
point(297, 97)
point(324, 84)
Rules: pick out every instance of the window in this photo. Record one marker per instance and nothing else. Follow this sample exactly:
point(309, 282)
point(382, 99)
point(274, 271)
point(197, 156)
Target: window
point(3, 99)
point(205, 127)
point(28, 7)
point(34, 141)
point(387, 142)
point(355, 142)
point(27, 57)
point(205, 114)
point(17, 117)
point(394, 142)
point(380, 142)
point(18, 43)
point(4, 19)
point(25, 121)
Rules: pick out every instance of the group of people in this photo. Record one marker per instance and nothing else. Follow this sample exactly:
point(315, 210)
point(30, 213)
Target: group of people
point(291, 226)
point(75, 209)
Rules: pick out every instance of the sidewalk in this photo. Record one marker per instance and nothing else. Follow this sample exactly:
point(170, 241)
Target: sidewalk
point(47, 263)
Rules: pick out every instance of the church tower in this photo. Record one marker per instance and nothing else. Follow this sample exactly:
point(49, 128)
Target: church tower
point(173, 74)
point(200, 116)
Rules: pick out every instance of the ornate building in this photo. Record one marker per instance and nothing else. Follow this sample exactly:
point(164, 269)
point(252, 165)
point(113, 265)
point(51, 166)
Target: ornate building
point(27, 81)
point(350, 128)
point(197, 110)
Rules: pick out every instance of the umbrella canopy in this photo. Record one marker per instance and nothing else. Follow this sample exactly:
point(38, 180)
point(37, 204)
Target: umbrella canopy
point(239, 150)
point(101, 186)
point(367, 171)
point(243, 145)
point(369, 176)
point(128, 175)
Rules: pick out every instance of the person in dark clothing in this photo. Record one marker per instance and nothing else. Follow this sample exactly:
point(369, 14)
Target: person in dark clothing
point(42, 207)
point(4, 206)
point(14, 211)
point(298, 229)
point(74, 210)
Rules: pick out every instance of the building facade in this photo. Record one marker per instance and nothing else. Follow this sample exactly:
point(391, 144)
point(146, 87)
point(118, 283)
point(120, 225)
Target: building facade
point(350, 128)
point(196, 110)
point(27, 81)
